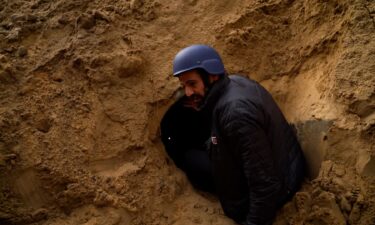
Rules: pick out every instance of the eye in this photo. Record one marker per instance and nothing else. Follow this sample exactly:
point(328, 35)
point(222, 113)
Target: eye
point(191, 83)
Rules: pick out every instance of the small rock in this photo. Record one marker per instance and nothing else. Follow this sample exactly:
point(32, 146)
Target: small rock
point(44, 125)
point(32, 18)
point(7, 26)
point(35, 5)
point(39, 214)
point(63, 20)
point(77, 63)
point(127, 40)
point(86, 21)
point(110, 8)
point(17, 17)
point(10, 156)
point(22, 51)
point(9, 49)
point(14, 34)
point(57, 77)
point(103, 199)
point(3, 59)
point(101, 16)
point(136, 4)
point(42, 18)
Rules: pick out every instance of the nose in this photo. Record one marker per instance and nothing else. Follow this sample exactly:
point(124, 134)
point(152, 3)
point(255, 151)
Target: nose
point(188, 91)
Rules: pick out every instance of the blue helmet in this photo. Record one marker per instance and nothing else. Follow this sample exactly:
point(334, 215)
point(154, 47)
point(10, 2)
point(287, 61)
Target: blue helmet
point(198, 56)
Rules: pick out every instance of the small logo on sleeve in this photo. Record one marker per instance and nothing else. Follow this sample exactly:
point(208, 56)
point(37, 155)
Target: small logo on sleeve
point(214, 140)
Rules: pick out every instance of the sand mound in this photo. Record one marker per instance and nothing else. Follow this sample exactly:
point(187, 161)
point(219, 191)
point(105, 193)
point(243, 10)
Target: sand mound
point(84, 84)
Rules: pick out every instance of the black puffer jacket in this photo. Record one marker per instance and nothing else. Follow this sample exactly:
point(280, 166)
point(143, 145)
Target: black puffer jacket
point(183, 128)
point(258, 163)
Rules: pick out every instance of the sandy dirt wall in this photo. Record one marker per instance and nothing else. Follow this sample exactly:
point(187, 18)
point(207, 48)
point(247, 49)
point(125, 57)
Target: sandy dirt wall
point(84, 84)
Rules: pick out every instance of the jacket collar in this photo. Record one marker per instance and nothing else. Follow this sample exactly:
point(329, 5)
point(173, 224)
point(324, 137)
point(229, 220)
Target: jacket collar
point(214, 94)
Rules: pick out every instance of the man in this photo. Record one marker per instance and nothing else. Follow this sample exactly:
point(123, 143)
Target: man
point(257, 163)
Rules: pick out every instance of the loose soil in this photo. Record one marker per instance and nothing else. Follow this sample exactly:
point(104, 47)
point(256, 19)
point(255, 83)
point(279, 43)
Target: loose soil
point(84, 85)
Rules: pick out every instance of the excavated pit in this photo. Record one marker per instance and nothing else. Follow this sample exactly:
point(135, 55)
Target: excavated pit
point(84, 85)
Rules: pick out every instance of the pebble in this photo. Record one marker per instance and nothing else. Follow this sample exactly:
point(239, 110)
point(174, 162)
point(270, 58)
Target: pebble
point(101, 16)
point(3, 58)
point(10, 156)
point(44, 125)
point(136, 4)
point(7, 26)
point(63, 20)
point(14, 35)
point(17, 17)
point(39, 214)
point(9, 49)
point(22, 51)
point(32, 18)
point(86, 21)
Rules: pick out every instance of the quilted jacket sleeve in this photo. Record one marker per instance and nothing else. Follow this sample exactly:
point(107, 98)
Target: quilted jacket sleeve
point(241, 125)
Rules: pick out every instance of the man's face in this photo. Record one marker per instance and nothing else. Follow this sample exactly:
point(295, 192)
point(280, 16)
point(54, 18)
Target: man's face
point(193, 86)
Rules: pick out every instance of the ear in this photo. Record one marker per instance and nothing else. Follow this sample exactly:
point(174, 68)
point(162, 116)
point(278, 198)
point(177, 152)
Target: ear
point(213, 78)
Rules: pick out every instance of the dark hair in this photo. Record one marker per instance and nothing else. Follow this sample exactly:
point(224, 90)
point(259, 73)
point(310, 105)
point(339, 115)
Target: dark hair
point(204, 76)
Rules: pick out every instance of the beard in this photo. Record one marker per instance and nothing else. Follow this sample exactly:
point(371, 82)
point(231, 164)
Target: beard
point(196, 99)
